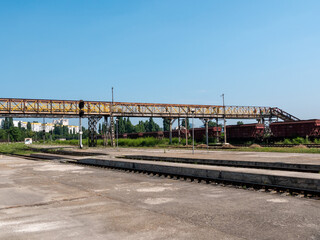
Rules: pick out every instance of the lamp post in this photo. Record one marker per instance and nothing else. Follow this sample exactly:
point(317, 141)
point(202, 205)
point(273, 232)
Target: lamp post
point(192, 111)
point(224, 120)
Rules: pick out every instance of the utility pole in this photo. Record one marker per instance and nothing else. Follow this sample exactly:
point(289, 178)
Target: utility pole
point(112, 121)
point(112, 95)
point(224, 119)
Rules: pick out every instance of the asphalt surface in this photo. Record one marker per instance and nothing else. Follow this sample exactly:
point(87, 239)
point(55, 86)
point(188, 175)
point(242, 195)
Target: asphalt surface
point(52, 200)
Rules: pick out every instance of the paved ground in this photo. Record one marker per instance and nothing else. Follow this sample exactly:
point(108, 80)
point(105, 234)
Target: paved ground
point(50, 200)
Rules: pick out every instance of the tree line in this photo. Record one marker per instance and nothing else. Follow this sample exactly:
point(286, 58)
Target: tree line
point(10, 133)
point(125, 125)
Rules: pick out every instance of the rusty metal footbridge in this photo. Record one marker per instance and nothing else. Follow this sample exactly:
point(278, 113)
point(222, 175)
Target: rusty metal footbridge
point(95, 110)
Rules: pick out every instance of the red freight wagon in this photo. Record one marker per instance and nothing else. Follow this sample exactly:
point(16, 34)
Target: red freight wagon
point(158, 134)
point(200, 133)
point(175, 133)
point(134, 135)
point(304, 128)
point(245, 131)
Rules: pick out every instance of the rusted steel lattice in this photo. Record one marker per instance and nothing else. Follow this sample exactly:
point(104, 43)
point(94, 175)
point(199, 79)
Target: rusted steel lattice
point(92, 127)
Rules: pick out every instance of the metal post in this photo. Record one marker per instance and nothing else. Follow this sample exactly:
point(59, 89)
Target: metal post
point(192, 131)
point(186, 130)
point(217, 133)
point(207, 129)
point(117, 122)
point(224, 120)
point(112, 95)
point(170, 131)
point(44, 130)
point(80, 133)
point(112, 121)
point(179, 131)
point(106, 130)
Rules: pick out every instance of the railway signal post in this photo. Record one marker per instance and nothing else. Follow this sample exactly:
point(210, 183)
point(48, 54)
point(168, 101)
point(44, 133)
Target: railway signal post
point(81, 113)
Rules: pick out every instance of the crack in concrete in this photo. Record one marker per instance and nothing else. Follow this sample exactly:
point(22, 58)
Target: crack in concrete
point(45, 203)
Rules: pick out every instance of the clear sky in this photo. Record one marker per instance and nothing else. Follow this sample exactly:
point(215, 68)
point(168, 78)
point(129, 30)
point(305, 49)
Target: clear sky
point(170, 51)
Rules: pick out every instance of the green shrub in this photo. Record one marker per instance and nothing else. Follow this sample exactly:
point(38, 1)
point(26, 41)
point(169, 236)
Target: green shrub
point(298, 140)
point(317, 141)
point(287, 141)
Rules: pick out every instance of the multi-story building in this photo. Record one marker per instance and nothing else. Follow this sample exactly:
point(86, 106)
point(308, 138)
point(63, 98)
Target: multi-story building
point(38, 127)
point(62, 121)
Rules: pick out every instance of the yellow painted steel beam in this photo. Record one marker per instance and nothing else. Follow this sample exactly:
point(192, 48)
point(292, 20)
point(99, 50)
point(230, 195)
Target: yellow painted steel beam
point(42, 107)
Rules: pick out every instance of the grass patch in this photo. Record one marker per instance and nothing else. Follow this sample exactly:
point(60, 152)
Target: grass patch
point(127, 142)
point(15, 148)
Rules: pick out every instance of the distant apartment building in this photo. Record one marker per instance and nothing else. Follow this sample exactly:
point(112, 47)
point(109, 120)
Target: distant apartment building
point(48, 127)
point(62, 121)
point(23, 124)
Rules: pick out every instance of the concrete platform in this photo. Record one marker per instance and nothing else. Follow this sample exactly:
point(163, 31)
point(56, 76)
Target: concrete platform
point(50, 200)
point(315, 168)
point(292, 158)
point(284, 179)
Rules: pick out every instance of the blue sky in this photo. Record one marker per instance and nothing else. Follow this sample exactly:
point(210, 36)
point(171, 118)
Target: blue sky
point(179, 51)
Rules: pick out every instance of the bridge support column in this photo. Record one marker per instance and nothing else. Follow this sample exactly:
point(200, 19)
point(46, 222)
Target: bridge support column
point(217, 136)
point(206, 123)
point(112, 135)
point(186, 130)
point(179, 131)
point(106, 133)
point(92, 127)
point(170, 129)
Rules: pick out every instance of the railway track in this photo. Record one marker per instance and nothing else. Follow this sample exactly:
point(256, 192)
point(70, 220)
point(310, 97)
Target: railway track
point(269, 188)
point(272, 188)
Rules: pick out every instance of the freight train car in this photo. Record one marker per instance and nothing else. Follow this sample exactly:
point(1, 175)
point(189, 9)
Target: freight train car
point(310, 128)
point(199, 133)
point(175, 133)
point(245, 132)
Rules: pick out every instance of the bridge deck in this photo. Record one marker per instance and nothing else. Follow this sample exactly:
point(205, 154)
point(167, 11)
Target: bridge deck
point(69, 108)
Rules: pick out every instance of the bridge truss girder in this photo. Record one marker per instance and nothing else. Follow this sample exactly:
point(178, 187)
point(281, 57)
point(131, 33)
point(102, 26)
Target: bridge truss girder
point(68, 109)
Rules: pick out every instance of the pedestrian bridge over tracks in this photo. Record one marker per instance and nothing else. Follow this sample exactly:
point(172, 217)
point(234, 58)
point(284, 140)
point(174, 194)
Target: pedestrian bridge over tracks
point(95, 110)
point(13, 107)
